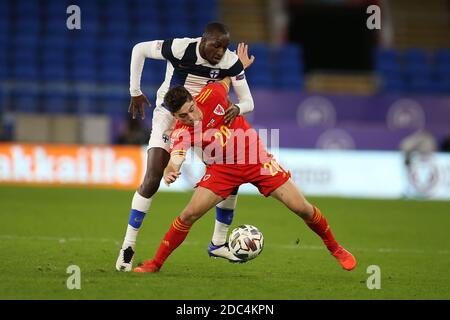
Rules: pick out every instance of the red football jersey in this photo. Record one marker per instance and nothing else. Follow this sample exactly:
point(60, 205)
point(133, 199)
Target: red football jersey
point(237, 143)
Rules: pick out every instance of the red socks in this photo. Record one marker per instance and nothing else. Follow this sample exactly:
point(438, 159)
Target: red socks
point(319, 225)
point(173, 238)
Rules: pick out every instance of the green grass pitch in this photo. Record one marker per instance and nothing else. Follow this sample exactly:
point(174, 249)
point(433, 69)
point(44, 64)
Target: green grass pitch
point(45, 230)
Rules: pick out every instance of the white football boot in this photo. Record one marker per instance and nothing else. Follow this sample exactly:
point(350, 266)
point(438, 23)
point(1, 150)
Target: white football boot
point(125, 259)
point(223, 251)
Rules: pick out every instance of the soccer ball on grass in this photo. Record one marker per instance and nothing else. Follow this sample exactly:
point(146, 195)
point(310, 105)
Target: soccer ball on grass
point(246, 242)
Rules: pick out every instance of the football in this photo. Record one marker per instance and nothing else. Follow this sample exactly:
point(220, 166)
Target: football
point(246, 242)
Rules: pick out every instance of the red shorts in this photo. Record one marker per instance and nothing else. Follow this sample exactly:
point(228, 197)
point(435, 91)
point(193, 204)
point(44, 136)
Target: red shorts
point(222, 179)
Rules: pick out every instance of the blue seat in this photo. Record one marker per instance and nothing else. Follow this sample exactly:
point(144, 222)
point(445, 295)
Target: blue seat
point(83, 73)
point(394, 84)
point(261, 81)
point(50, 56)
point(86, 103)
point(417, 70)
point(286, 65)
point(176, 30)
point(5, 6)
point(113, 74)
point(117, 28)
point(28, 27)
point(90, 27)
point(56, 8)
point(289, 52)
point(56, 26)
point(25, 41)
point(149, 31)
point(56, 103)
point(442, 56)
point(260, 51)
point(383, 54)
point(25, 101)
point(148, 13)
point(54, 72)
point(26, 71)
point(175, 15)
point(83, 57)
point(290, 82)
point(53, 42)
point(212, 4)
point(442, 71)
point(114, 105)
point(82, 42)
point(387, 62)
point(116, 9)
point(113, 45)
point(153, 73)
point(415, 56)
point(27, 6)
point(4, 67)
point(208, 12)
point(444, 85)
point(5, 24)
point(422, 84)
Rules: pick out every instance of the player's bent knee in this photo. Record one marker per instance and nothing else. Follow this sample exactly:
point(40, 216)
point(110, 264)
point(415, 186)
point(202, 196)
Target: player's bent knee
point(189, 216)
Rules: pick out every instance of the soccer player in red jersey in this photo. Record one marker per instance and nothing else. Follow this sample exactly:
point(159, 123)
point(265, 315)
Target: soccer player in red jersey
point(234, 155)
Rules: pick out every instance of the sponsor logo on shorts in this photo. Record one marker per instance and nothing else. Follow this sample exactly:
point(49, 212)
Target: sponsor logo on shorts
point(219, 110)
point(206, 177)
point(165, 138)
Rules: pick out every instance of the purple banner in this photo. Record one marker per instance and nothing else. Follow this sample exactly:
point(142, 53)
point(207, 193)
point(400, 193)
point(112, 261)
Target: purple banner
point(376, 122)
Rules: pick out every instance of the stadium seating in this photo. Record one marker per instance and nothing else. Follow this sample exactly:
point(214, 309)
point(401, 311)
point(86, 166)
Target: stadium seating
point(413, 70)
point(44, 51)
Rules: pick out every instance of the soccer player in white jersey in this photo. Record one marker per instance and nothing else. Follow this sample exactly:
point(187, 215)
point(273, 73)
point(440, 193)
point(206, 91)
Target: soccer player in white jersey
point(191, 62)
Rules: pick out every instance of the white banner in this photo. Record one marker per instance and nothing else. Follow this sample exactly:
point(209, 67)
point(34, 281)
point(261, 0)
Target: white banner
point(366, 174)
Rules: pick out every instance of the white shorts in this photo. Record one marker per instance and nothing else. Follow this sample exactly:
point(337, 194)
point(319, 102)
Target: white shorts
point(162, 126)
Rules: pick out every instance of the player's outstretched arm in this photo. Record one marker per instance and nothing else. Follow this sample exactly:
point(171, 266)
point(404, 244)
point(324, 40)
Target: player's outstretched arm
point(141, 51)
point(172, 171)
point(240, 84)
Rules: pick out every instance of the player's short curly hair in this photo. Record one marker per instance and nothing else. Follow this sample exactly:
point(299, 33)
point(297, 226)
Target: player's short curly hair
point(176, 97)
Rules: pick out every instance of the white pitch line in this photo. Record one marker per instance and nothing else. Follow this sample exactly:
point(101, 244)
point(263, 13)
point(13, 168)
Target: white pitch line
point(63, 240)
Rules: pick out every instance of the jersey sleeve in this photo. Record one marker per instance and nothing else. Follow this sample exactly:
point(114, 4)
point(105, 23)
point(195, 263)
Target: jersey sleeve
point(141, 51)
point(180, 140)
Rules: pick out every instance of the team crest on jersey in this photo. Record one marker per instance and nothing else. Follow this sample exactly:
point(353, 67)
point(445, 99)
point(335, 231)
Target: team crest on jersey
point(214, 73)
point(219, 110)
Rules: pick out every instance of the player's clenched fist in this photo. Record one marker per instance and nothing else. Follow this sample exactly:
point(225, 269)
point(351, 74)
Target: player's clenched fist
point(137, 106)
point(170, 177)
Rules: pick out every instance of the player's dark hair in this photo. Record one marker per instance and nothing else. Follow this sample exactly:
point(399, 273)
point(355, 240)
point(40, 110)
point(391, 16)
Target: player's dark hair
point(214, 28)
point(176, 97)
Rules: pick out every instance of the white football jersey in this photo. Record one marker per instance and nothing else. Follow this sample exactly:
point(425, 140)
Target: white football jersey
point(186, 67)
